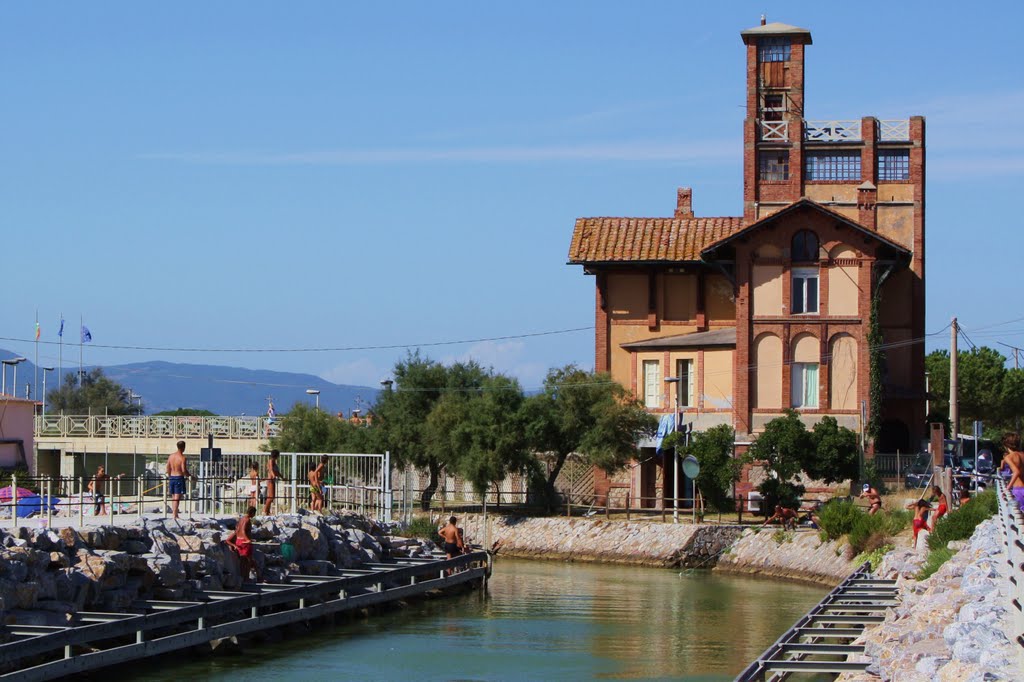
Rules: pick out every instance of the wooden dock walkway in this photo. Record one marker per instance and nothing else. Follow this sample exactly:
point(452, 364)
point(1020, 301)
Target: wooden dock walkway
point(158, 627)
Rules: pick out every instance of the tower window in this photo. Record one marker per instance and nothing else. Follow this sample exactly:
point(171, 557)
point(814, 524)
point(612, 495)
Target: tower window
point(774, 107)
point(894, 164)
point(773, 166)
point(804, 247)
point(773, 50)
point(832, 166)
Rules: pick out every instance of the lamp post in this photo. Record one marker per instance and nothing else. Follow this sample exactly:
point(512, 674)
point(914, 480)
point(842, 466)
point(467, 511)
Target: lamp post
point(13, 362)
point(673, 383)
point(315, 392)
point(45, 371)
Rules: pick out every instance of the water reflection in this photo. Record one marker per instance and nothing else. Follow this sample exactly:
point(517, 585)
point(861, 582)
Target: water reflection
point(544, 620)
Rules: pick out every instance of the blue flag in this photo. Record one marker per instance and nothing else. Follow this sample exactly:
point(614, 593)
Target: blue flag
point(61, 332)
point(86, 334)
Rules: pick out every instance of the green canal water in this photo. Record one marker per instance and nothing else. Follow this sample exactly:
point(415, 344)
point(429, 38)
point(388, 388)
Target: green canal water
point(538, 621)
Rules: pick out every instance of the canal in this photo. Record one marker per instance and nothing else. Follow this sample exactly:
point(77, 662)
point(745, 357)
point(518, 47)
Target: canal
point(538, 620)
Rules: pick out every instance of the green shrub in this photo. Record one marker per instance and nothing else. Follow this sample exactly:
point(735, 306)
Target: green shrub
point(874, 556)
point(869, 532)
point(837, 518)
point(781, 536)
point(422, 527)
point(960, 524)
point(936, 558)
point(897, 521)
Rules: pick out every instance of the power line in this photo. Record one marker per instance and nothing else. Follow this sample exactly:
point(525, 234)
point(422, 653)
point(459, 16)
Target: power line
point(337, 349)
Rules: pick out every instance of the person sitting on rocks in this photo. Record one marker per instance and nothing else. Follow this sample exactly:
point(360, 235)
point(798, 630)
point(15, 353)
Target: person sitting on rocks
point(240, 540)
point(874, 498)
point(786, 516)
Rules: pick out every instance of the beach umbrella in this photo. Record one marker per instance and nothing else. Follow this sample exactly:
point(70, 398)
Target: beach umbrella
point(32, 503)
point(7, 494)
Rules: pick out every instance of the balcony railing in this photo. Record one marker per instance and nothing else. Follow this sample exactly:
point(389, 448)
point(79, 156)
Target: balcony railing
point(774, 131)
point(832, 131)
point(65, 426)
point(894, 131)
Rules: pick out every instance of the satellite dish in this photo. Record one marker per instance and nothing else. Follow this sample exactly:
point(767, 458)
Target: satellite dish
point(691, 467)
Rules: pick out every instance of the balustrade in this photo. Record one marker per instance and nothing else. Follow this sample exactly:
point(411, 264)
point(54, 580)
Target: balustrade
point(109, 426)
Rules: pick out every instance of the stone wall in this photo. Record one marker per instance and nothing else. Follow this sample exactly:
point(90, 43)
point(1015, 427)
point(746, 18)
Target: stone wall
point(792, 555)
point(47, 575)
point(951, 626)
point(638, 543)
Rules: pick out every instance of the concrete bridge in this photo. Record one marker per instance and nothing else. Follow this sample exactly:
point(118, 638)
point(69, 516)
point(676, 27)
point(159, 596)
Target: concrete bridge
point(73, 445)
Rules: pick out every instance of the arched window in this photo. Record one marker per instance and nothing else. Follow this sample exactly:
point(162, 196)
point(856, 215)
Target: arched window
point(804, 247)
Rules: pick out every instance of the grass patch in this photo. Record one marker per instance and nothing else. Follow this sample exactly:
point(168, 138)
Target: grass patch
point(872, 531)
point(837, 518)
point(781, 536)
point(874, 556)
point(421, 527)
point(960, 524)
point(936, 558)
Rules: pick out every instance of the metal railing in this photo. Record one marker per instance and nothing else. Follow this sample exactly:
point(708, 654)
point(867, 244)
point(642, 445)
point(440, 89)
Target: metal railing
point(1012, 520)
point(102, 426)
point(828, 630)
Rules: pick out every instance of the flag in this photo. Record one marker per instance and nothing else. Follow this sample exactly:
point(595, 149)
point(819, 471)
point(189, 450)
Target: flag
point(61, 332)
point(86, 334)
point(38, 331)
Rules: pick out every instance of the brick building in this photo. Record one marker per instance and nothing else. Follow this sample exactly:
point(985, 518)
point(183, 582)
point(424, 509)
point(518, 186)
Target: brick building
point(757, 313)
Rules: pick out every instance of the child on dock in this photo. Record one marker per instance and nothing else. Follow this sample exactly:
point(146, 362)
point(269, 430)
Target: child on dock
point(240, 541)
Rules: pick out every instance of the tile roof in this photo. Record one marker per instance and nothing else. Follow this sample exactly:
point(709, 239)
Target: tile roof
point(610, 240)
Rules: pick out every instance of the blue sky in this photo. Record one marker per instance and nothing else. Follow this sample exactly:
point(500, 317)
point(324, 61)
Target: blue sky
point(272, 175)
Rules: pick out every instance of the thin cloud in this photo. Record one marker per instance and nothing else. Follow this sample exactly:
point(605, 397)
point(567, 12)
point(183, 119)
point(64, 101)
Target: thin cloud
point(707, 151)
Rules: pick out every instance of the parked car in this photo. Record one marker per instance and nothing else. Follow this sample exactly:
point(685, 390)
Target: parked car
point(919, 473)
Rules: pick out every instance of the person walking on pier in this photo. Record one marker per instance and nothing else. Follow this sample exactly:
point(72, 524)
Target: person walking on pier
point(97, 486)
point(452, 536)
point(273, 474)
point(241, 541)
point(177, 471)
point(1014, 459)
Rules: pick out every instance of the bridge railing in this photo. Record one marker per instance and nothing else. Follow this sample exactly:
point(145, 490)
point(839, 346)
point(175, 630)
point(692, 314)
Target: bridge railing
point(105, 426)
point(1012, 521)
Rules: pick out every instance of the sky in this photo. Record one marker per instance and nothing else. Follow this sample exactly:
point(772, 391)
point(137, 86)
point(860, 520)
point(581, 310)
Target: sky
point(385, 176)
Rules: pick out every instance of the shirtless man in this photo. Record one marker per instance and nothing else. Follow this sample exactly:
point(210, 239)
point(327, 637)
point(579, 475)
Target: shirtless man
point(241, 542)
point(177, 470)
point(784, 515)
point(1014, 459)
point(315, 493)
point(873, 498)
point(273, 474)
point(96, 487)
point(453, 544)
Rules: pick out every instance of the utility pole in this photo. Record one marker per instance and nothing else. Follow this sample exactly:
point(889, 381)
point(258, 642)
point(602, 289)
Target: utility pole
point(954, 408)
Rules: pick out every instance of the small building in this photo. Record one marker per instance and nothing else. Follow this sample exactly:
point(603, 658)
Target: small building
point(773, 309)
point(16, 432)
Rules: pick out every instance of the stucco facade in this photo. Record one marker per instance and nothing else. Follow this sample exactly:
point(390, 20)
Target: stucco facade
point(771, 310)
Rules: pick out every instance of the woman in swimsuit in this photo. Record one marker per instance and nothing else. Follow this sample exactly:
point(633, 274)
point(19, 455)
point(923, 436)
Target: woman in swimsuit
point(873, 497)
point(254, 484)
point(273, 473)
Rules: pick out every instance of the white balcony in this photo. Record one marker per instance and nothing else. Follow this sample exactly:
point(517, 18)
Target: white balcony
point(832, 131)
point(774, 131)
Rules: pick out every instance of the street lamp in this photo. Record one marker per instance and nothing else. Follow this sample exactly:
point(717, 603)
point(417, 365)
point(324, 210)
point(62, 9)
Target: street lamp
point(673, 383)
point(13, 362)
point(45, 370)
point(313, 391)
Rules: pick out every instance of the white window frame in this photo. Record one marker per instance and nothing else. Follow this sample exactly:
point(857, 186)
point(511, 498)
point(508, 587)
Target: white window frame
point(653, 389)
point(802, 278)
point(686, 395)
point(804, 385)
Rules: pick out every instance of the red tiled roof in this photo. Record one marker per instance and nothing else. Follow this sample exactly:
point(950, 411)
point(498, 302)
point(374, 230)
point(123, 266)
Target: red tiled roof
point(605, 240)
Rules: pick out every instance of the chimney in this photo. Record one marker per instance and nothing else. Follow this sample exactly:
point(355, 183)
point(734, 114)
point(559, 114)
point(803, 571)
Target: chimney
point(684, 203)
point(764, 19)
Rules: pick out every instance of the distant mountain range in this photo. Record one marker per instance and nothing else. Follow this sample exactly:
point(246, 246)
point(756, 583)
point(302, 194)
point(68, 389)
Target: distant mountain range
point(223, 390)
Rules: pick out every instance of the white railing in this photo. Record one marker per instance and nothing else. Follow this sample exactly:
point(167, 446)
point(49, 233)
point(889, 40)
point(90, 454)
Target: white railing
point(65, 426)
point(894, 131)
point(832, 131)
point(775, 131)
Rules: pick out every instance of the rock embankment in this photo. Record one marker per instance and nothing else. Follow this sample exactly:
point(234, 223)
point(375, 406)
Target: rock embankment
point(48, 575)
point(588, 539)
point(951, 626)
point(792, 555)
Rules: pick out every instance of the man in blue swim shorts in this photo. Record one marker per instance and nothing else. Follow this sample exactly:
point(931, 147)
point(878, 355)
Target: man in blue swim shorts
point(177, 470)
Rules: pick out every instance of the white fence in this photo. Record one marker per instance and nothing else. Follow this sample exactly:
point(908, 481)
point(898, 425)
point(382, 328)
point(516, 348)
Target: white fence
point(100, 426)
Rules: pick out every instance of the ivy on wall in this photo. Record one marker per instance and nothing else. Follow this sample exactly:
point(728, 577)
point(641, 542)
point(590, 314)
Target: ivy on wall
point(876, 388)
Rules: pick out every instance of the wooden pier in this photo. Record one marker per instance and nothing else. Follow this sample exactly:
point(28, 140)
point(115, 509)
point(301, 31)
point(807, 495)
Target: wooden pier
point(158, 627)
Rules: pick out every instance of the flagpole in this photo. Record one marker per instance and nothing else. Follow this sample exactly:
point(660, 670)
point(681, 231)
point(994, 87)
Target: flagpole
point(81, 346)
point(60, 354)
point(35, 384)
